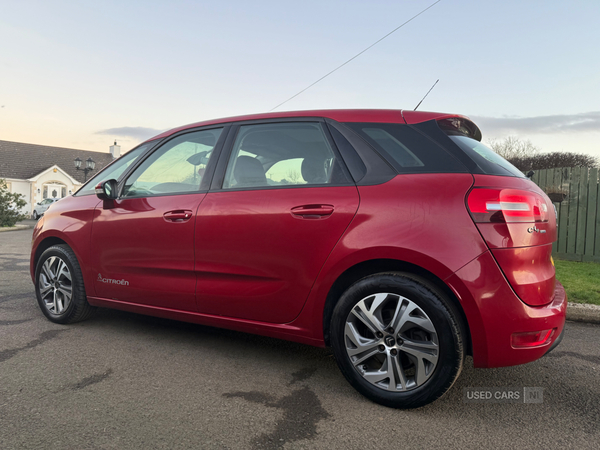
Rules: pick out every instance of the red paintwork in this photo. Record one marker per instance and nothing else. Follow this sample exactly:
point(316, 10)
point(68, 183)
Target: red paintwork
point(341, 115)
point(505, 235)
point(133, 241)
point(71, 221)
point(494, 312)
point(288, 332)
point(518, 251)
point(264, 261)
point(255, 259)
point(535, 287)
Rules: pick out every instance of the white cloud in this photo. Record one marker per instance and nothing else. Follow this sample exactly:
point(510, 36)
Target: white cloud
point(564, 123)
point(139, 133)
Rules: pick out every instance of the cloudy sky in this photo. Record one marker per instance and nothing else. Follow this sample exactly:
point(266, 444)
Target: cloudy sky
point(81, 74)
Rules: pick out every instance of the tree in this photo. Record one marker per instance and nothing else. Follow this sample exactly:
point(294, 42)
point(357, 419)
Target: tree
point(554, 160)
point(512, 147)
point(10, 206)
point(293, 176)
point(525, 156)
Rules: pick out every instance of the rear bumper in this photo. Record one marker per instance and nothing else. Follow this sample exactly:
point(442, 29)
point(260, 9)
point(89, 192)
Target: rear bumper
point(494, 313)
point(556, 342)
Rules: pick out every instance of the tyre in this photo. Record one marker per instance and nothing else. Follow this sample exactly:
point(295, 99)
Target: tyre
point(35, 215)
point(398, 340)
point(59, 286)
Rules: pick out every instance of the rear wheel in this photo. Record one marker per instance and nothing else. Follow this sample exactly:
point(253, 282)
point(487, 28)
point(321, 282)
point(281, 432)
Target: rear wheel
point(59, 286)
point(397, 340)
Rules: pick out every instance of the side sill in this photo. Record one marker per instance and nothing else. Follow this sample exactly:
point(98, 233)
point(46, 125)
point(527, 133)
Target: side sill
point(279, 331)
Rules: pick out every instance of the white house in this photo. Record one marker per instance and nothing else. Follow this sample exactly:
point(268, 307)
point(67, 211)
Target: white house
point(40, 171)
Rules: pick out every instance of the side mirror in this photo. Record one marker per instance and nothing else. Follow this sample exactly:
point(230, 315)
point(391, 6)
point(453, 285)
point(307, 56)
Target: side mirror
point(107, 190)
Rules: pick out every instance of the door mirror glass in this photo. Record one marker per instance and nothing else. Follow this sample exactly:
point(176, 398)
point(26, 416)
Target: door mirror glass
point(107, 190)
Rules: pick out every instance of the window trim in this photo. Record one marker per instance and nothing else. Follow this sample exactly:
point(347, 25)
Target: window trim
point(377, 170)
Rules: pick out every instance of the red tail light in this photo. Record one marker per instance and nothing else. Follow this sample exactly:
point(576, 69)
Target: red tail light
point(506, 206)
point(532, 339)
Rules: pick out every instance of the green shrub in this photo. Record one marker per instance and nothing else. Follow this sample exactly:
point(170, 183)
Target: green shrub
point(10, 206)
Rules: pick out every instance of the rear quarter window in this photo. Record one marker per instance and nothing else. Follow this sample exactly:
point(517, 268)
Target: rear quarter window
point(489, 161)
point(407, 150)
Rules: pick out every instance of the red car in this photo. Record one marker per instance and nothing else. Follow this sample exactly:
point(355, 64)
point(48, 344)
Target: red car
point(395, 237)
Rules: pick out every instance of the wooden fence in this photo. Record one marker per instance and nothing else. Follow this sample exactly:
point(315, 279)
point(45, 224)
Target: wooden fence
point(574, 192)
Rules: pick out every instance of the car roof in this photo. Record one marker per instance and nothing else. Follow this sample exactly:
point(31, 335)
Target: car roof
point(339, 115)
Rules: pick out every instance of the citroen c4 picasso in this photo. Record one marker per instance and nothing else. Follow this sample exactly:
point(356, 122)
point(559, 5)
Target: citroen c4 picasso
point(395, 237)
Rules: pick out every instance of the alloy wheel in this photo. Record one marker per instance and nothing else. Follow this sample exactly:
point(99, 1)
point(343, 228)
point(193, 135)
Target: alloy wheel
point(391, 342)
point(55, 284)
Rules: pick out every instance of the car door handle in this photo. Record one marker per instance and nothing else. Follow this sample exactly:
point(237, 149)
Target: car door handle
point(181, 215)
point(312, 211)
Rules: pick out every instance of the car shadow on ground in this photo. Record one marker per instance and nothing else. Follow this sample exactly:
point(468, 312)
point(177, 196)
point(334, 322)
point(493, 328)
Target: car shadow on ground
point(547, 372)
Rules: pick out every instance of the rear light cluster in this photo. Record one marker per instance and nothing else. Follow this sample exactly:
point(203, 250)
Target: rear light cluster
point(506, 206)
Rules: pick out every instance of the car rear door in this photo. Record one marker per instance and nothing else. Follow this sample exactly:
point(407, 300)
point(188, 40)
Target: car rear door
point(279, 203)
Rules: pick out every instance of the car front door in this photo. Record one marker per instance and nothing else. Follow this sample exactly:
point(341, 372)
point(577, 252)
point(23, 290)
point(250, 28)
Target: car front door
point(143, 243)
point(271, 219)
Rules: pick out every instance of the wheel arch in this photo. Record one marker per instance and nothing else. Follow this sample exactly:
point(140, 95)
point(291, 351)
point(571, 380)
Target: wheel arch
point(45, 244)
point(374, 266)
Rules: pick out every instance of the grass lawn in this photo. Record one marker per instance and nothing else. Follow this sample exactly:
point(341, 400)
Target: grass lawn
point(580, 279)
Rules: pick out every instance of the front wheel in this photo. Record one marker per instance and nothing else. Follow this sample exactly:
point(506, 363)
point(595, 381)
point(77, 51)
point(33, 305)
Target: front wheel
point(36, 216)
point(59, 286)
point(397, 340)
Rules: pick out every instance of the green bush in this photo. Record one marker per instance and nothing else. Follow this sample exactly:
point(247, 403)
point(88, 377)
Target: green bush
point(10, 206)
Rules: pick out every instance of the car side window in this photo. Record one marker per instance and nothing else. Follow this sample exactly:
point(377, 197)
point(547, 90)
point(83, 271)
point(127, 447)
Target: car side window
point(282, 154)
point(407, 150)
point(176, 167)
point(114, 170)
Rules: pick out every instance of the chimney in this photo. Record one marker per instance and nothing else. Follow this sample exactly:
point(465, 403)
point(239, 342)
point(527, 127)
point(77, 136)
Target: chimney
point(115, 150)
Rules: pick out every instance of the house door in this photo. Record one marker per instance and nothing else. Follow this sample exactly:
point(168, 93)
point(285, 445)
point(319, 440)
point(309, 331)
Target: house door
point(54, 190)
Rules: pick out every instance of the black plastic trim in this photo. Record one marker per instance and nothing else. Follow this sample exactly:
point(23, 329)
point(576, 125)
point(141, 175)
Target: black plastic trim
point(221, 167)
point(378, 170)
point(338, 156)
point(355, 165)
point(431, 130)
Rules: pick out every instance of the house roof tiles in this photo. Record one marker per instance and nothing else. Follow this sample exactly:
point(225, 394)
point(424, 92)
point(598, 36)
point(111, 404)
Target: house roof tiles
point(24, 161)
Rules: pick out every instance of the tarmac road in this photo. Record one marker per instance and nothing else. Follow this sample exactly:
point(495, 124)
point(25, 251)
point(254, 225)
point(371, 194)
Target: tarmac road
point(121, 380)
